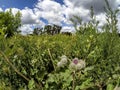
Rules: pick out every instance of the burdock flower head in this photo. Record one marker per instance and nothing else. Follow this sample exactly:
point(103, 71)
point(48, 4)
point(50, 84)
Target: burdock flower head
point(77, 64)
point(75, 61)
point(63, 61)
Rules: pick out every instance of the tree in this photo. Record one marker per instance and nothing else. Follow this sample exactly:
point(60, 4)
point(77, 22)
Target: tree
point(56, 29)
point(10, 22)
point(37, 31)
point(48, 29)
point(52, 29)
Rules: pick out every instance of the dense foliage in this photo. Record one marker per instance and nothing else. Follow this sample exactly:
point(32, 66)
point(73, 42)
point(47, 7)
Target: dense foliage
point(87, 60)
point(9, 23)
point(36, 58)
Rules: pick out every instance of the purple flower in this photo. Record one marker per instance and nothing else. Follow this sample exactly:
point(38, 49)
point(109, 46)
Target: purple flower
point(75, 61)
point(77, 64)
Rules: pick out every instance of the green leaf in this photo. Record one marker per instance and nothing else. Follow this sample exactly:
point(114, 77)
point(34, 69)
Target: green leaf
point(31, 84)
point(86, 84)
point(110, 87)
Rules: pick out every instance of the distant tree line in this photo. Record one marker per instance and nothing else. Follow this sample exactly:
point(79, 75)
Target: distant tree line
point(50, 30)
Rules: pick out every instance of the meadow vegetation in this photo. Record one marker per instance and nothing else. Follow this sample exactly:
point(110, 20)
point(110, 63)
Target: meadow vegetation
point(87, 60)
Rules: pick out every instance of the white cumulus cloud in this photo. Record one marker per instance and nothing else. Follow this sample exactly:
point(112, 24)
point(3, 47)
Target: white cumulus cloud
point(68, 29)
point(26, 29)
point(1, 9)
point(29, 17)
point(51, 11)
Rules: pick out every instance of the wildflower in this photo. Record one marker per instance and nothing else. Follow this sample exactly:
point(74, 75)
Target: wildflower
point(64, 59)
point(77, 64)
point(75, 61)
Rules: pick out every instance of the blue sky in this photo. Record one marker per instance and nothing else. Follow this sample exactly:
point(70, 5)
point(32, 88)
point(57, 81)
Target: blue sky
point(17, 3)
point(21, 3)
point(37, 13)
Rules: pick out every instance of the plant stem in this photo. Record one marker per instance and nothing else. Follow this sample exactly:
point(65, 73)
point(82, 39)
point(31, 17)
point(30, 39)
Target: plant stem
point(73, 84)
point(51, 58)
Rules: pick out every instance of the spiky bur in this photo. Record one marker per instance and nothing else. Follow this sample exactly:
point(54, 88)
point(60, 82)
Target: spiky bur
point(63, 61)
point(77, 64)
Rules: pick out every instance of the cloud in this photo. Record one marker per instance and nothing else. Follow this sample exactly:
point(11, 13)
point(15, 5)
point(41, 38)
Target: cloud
point(1, 9)
point(77, 11)
point(26, 29)
point(51, 11)
point(118, 18)
point(81, 8)
point(29, 17)
point(101, 18)
point(68, 29)
point(98, 5)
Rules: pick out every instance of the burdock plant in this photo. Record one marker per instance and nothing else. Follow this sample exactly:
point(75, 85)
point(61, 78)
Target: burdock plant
point(76, 65)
